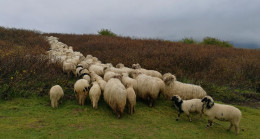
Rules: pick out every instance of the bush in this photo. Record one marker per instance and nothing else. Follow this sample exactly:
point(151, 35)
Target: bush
point(188, 41)
point(217, 42)
point(106, 32)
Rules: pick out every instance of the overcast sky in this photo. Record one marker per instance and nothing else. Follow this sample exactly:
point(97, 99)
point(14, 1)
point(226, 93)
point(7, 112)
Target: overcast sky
point(237, 21)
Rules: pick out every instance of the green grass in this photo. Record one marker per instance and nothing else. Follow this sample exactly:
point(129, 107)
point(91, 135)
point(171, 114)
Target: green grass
point(34, 118)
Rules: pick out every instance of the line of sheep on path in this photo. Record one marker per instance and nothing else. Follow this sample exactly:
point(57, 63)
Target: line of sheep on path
point(121, 86)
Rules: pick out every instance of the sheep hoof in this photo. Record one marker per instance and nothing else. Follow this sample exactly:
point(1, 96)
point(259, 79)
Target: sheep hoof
point(177, 119)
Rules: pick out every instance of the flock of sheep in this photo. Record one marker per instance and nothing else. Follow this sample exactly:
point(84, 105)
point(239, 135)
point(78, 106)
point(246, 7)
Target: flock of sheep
point(121, 86)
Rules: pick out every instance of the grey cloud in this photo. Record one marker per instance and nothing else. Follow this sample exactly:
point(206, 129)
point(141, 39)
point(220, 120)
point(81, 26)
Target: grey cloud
point(232, 20)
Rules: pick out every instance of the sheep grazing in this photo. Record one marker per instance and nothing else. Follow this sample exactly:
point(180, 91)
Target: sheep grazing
point(115, 96)
point(148, 87)
point(221, 112)
point(78, 69)
point(187, 106)
point(100, 81)
point(184, 90)
point(94, 94)
point(69, 68)
point(131, 98)
point(56, 93)
point(81, 89)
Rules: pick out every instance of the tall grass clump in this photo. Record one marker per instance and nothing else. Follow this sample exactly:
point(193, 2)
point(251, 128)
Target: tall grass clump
point(188, 41)
point(217, 42)
point(106, 32)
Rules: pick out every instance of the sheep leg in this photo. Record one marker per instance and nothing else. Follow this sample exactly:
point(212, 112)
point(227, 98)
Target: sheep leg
point(209, 123)
point(231, 125)
point(52, 104)
point(189, 117)
point(179, 114)
point(237, 128)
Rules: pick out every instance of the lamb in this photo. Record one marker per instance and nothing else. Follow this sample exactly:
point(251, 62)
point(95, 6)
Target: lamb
point(184, 90)
point(187, 106)
point(94, 94)
point(148, 87)
point(81, 89)
point(131, 98)
point(221, 112)
point(115, 96)
point(56, 93)
point(69, 68)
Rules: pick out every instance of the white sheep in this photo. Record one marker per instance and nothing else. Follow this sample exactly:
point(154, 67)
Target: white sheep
point(115, 96)
point(187, 106)
point(184, 90)
point(69, 68)
point(148, 87)
point(109, 74)
point(120, 65)
point(221, 112)
point(131, 98)
point(56, 93)
point(98, 69)
point(78, 69)
point(100, 81)
point(127, 80)
point(152, 73)
point(94, 94)
point(81, 89)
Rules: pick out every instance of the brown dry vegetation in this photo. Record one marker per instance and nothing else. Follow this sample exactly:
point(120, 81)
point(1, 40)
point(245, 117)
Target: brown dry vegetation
point(223, 66)
point(22, 68)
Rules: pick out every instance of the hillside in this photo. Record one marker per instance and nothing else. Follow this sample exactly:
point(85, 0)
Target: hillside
point(230, 75)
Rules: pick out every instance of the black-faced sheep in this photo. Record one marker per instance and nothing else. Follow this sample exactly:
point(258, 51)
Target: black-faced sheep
point(115, 96)
point(221, 112)
point(184, 90)
point(56, 93)
point(187, 106)
point(81, 89)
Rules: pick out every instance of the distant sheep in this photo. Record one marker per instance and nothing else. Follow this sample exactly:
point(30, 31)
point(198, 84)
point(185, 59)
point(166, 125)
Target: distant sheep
point(187, 106)
point(94, 94)
point(221, 112)
point(152, 73)
point(184, 90)
point(115, 96)
point(81, 89)
point(131, 98)
point(120, 65)
point(56, 93)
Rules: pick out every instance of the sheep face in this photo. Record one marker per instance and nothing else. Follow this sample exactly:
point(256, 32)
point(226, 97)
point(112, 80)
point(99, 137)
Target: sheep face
point(176, 98)
point(136, 66)
point(169, 79)
point(208, 102)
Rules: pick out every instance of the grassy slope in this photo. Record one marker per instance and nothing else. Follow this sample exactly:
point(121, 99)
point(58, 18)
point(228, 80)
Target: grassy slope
point(30, 118)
